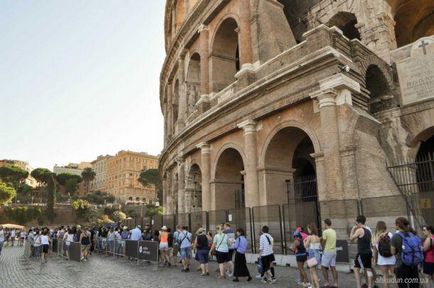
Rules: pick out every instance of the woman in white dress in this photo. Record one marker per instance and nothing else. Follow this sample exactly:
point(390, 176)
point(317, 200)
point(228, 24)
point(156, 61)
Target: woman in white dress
point(382, 255)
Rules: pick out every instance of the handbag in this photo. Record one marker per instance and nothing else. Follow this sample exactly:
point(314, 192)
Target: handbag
point(312, 262)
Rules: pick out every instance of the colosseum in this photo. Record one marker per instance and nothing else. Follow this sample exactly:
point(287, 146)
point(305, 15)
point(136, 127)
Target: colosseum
point(314, 109)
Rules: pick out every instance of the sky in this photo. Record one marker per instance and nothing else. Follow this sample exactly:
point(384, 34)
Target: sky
point(79, 78)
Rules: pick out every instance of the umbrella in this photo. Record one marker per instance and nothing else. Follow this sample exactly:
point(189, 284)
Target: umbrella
point(12, 226)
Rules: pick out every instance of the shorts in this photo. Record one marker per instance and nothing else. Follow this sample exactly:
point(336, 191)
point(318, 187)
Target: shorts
point(428, 268)
point(363, 261)
point(222, 257)
point(266, 262)
point(186, 253)
point(164, 246)
point(202, 256)
point(231, 253)
point(175, 250)
point(85, 247)
point(301, 258)
point(45, 248)
point(328, 259)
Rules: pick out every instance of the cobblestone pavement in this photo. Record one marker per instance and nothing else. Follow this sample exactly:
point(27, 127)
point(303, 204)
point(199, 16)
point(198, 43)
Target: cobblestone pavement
point(107, 271)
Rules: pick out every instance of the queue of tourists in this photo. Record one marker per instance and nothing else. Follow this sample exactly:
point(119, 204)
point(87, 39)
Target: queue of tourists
point(404, 259)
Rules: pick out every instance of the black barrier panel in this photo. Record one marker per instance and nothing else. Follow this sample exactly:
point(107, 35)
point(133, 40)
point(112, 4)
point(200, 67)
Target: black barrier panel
point(342, 254)
point(131, 248)
point(148, 250)
point(75, 251)
point(55, 245)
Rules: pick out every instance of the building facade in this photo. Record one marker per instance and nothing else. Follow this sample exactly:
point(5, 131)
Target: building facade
point(72, 168)
point(269, 102)
point(99, 166)
point(122, 175)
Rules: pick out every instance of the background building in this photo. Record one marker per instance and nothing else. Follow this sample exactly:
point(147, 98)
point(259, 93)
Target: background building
point(72, 168)
point(302, 103)
point(117, 175)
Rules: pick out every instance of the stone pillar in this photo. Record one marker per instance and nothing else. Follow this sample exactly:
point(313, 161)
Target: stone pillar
point(169, 116)
point(245, 35)
point(182, 99)
point(204, 59)
point(206, 175)
point(251, 181)
point(181, 184)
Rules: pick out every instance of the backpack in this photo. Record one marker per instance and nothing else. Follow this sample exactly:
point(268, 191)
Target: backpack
point(411, 254)
point(384, 246)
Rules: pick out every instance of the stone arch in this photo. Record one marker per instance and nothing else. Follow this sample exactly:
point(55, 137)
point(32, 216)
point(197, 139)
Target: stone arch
point(414, 19)
point(193, 189)
point(224, 59)
point(289, 174)
point(347, 22)
point(227, 186)
point(381, 97)
point(193, 81)
point(288, 124)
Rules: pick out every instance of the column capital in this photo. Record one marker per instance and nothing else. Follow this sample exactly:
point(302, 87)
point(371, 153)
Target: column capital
point(204, 147)
point(202, 27)
point(325, 97)
point(249, 126)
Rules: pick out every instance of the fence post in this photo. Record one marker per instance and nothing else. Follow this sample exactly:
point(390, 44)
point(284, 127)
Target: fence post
point(281, 234)
point(253, 228)
point(207, 220)
point(284, 228)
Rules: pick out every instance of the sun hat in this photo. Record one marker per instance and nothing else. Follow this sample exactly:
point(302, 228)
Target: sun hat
point(164, 227)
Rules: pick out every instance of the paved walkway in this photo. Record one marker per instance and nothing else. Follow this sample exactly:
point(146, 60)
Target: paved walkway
point(110, 272)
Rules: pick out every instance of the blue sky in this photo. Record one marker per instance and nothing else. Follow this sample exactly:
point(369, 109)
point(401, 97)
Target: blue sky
point(79, 78)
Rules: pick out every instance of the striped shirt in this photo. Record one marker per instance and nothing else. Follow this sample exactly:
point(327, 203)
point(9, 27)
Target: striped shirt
point(266, 244)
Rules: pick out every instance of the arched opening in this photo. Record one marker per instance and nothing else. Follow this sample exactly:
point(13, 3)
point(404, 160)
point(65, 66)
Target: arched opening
point(225, 61)
point(175, 105)
point(414, 20)
point(346, 22)
point(425, 177)
point(290, 176)
point(228, 184)
point(193, 82)
point(193, 190)
point(381, 97)
point(296, 15)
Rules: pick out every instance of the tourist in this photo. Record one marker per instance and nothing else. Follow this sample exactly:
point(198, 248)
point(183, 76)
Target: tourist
point(31, 239)
point(118, 242)
point(201, 249)
point(231, 240)
point(68, 238)
point(185, 246)
point(2, 238)
point(313, 246)
point(382, 254)
point(111, 241)
point(240, 264)
point(156, 236)
point(301, 257)
point(220, 247)
point(85, 243)
point(147, 235)
point(428, 248)
point(136, 233)
point(170, 244)
point(328, 259)
point(267, 255)
point(22, 238)
point(37, 244)
point(12, 236)
point(364, 253)
point(176, 245)
point(406, 245)
point(125, 234)
point(45, 242)
point(164, 246)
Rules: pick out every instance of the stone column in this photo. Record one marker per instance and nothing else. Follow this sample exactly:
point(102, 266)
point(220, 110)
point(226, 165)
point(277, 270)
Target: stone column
point(182, 99)
point(181, 184)
point(206, 175)
point(245, 41)
point(204, 59)
point(251, 181)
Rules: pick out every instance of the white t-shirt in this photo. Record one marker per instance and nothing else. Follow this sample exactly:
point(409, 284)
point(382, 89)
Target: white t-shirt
point(266, 244)
point(13, 233)
point(23, 234)
point(69, 239)
point(37, 241)
point(44, 240)
point(2, 235)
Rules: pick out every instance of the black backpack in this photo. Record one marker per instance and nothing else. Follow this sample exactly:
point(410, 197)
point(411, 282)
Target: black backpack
point(384, 246)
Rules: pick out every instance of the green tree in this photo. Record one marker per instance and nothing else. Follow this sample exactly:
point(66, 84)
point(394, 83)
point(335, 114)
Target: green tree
point(51, 196)
point(13, 175)
point(7, 193)
point(41, 175)
point(24, 193)
point(152, 177)
point(69, 182)
point(88, 175)
point(152, 210)
point(98, 198)
point(22, 215)
point(119, 216)
point(81, 208)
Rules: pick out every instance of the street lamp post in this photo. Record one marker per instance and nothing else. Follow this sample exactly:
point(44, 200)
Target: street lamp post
point(288, 191)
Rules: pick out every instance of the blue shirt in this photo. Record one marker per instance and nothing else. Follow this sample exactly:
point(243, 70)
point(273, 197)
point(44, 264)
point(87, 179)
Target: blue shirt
point(241, 244)
point(136, 234)
point(185, 239)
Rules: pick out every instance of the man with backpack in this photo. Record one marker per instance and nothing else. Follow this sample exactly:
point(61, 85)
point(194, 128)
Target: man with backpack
point(364, 253)
point(184, 240)
point(407, 247)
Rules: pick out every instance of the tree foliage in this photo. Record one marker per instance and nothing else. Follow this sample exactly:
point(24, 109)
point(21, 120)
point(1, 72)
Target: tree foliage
point(152, 177)
point(119, 216)
point(7, 193)
point(88, 175)
point(81, 208)
point(98, 198)
point(13, 175)
point(22, 215)
point(41, 175)
point(51, 196)
point(152, 210)
point(24, 193)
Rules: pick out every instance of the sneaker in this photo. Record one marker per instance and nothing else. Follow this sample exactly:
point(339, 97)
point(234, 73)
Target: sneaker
point(272, 281)
point(249, 279)
point(236, 280)
point(258, 276)
point(187, 270)
point(264, 280)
